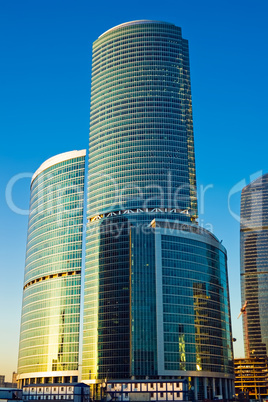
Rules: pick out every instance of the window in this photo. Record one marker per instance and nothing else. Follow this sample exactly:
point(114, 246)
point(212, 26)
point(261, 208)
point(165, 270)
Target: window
point(161, 394)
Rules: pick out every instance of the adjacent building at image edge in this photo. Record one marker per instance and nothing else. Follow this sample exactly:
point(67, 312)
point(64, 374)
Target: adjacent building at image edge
point(49, 336)
point(254, 266)
point(251, 377)
point(251, 372)
point(156, 302)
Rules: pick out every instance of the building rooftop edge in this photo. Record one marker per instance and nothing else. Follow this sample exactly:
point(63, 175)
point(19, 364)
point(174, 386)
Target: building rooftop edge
point(137, 22)
point(202, 231)
point(58, 159)
point(255, 181)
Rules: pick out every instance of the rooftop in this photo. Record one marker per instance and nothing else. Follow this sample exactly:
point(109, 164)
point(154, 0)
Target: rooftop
point(137, 22)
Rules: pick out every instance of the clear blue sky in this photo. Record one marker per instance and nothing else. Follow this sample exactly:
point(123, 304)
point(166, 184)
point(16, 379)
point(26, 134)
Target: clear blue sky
point(45, 96)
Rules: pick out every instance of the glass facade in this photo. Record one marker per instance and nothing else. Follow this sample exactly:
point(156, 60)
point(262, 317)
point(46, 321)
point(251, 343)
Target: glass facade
point(196, 316)
point(141, 157)
point(156, 303)
point(141, 128)
point(107, 302)
point(143, 331)
point(49, 337)
point(254, 266)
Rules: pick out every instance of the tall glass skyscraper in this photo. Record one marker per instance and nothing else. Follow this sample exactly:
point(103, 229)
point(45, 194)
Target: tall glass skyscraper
point(254, 266)
point(156, 289)
point(49, 337)
point(141, 128)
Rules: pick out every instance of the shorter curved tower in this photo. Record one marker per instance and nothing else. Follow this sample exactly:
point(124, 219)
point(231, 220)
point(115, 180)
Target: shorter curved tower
point(49, 336)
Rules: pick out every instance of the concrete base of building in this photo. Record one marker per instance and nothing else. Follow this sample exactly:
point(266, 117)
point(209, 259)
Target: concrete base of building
point(163, 389)
point(78, 392)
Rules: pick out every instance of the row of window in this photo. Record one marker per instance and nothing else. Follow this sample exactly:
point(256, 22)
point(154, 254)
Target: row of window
point(121, 58)
point(70, 207)
point(40, 271)
point(48, 380)
point(49, 321)
point(40, 339)
point(68, 226)
point(44, 184)
point(143, 143)
point(139, 101)
point(57, 204)
point(69, 165)
point(44, 349)
point(139, 105)
point(55, 302)
point(43, 367)
point(127, 47)
point(67, 260)
point(74, 239)
point(51, 250)
point(228, 369)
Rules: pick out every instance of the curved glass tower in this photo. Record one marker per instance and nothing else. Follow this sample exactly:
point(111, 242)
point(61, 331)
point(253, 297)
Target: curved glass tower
point(49, 337)
point(141, 127)
point(254, 266)
point(156, 291)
